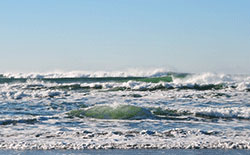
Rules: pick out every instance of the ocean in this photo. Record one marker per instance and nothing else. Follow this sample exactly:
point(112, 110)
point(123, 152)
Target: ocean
point(124, 110)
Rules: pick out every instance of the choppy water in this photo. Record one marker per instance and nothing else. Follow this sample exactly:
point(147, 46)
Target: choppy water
point(124, 110)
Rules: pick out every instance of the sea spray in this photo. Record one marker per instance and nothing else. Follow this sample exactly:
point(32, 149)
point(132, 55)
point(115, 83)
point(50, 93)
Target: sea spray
point(139, 109)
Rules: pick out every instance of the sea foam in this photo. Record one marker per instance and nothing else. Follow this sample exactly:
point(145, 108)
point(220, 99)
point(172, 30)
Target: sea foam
point(75, 74)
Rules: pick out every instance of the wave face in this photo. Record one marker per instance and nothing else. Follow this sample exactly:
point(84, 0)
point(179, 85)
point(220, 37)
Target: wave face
point(133, 109)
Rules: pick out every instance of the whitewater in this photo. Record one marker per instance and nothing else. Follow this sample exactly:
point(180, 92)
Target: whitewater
point(154, 109)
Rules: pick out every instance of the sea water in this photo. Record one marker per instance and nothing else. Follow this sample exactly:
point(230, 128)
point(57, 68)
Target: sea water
point(124, 110)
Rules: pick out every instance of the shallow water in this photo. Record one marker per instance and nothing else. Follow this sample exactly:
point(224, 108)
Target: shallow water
point(158, 111)
point(129, 152)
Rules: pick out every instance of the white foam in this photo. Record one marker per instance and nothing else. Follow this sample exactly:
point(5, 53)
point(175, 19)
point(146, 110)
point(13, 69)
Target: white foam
point(232, 112)
point(59, 133)
point(73, 74)
point(46, 138)
point(212, 78)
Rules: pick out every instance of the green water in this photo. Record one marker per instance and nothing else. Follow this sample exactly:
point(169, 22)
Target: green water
point(107, 112)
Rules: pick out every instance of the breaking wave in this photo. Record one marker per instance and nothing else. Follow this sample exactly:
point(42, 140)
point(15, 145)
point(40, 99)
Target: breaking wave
point(91, 74)
point(133, 109)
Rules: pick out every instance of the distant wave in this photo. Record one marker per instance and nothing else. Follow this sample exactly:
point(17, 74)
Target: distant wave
point(179, 81)
point(213, 78)
point(77, 74)
point(202, 78)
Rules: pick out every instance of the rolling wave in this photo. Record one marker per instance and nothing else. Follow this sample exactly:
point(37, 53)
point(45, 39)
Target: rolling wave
point(130, 112)
point(131, 109)
point(91, 74)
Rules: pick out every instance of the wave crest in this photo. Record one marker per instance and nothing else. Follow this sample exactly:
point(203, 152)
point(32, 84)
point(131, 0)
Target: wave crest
point(76, 74)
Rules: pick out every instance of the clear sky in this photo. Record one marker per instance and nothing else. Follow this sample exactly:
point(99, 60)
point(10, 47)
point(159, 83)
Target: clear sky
point(183, 35)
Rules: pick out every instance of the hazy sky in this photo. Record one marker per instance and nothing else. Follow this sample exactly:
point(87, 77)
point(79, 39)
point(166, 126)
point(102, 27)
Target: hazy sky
point(183, 35)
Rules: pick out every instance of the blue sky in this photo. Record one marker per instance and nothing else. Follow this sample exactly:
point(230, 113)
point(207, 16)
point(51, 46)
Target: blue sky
point(183, 35)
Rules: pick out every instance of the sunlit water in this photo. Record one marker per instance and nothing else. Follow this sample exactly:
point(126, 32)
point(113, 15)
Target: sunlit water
point(95, 111)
